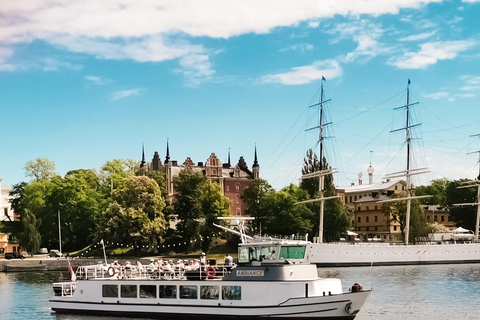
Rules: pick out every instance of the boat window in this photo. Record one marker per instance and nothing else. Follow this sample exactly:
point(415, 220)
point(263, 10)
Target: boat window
point(243, 255)
point(209, 292)
point(110, 291)
point(231, 293)
point(148, 291)
point(128, 291)
point(188, 292)
point(168, 292)
point(292, 252)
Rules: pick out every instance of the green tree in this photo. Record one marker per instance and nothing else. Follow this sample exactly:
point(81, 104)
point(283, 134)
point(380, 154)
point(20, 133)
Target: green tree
point(40, 168)
point(398, 212)
point(79, 198)
point(30, 238)
point(198, 203)
point(464, 216)
point(254, 197)
point(136, 214)
point(437, 189)
point(337, 218)
point(213, 205)
point(113, 174)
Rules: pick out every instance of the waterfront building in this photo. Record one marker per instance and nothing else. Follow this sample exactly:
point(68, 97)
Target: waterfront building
point(6, 215)
point(233, 179)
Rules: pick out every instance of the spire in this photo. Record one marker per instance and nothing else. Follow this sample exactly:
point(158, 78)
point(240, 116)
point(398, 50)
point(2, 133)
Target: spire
point(142, 164)
point(255, 161)
point(167, 157)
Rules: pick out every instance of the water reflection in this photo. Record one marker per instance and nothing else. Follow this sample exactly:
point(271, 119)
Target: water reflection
point(443, 292)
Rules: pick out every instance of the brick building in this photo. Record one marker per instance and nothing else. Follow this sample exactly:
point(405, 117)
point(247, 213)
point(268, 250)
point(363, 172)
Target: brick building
point(233, 179)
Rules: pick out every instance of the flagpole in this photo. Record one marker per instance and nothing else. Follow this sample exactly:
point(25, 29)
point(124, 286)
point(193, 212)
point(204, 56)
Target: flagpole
point(104, 254)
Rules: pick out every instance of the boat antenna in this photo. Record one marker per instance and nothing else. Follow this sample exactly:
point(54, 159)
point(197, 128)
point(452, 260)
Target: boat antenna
point(323, 171)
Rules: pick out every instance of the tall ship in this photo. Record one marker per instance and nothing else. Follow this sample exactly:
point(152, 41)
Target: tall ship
point(460, 246)
point(273, 279)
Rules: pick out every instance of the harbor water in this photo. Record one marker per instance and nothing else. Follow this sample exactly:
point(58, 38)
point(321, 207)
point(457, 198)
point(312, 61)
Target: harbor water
point(400, 292)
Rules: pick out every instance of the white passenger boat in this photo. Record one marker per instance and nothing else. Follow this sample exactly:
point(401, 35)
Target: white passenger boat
point(272, 279)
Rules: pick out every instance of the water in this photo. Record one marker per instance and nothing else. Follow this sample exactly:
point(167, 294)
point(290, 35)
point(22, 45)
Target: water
point(404, 292)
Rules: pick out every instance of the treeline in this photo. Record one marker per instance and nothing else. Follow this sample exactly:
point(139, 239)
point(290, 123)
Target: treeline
point(115, 203)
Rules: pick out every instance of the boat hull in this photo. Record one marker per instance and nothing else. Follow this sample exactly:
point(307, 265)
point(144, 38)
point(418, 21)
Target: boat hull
point(343, 306)
point(378, 254)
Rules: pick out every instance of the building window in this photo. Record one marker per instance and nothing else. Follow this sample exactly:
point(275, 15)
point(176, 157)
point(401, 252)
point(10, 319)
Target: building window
point(359, 208)
point(367, 228)
point(355, 198)
point(149, 292)
point(237, 186)
point(435, 218)
point(168, 292)
point(376, 208)
point(209, 292)
point(367, 219)
point(359, 219)
point(368, 208)
point(396, 187)
point(227, 188)
point(403, 187)
point(443, 218)
point(350, 199)
point(394, 228)
point(188, 292)
point(231, 293)
point(376, 228)
point(110, 291)
point(128, 291)
point(238, 212)
point(376, 219)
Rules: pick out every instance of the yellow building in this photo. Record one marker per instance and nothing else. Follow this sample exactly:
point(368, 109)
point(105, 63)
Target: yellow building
point(439, 215)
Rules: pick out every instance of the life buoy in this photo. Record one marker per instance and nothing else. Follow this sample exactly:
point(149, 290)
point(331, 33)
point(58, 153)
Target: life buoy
point(111, 271)
point(211, 272)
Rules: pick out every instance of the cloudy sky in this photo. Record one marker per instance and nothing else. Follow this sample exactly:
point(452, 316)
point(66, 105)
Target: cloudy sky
point(83, 82)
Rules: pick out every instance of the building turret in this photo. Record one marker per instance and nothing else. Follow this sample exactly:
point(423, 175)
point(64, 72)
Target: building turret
point(143, 163)
point(167, 156)
point(156, 162)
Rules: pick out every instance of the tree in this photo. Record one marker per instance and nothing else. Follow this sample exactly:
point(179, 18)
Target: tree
point(79, 198)
point(213, 205)
point(135, 216)
point(40, 168)
point(337, 218)
point(30, 238)
point(397, 211)
point(254, 197)
point(198, 203)
point(464, 216)
point(113, 174)
point(437, 189)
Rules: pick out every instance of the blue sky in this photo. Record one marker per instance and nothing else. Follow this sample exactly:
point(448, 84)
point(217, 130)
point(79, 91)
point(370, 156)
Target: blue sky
point(83, 82)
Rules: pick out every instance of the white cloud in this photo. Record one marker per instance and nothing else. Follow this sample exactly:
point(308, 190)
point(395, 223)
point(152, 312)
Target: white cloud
point(121, 94)
point(98, 80)
point(140, 30)
point(313, 24)
point(329, 69)
point(419, 36)
point(52, 64)
point(300, 47)
point(438, 95)
point(365, 34)
point(5, 55)
point(431, 53)
point(472, 83)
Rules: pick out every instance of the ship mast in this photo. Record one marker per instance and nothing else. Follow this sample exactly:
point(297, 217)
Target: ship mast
point(323, 171)
point(471, 184)
point(409, 172)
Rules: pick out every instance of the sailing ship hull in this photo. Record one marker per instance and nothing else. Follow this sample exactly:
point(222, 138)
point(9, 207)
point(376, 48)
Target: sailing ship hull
point(259, 300)
point(378, 254)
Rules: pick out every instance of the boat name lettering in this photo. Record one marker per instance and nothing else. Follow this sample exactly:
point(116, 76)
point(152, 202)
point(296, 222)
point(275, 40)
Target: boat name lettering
point(250, 273)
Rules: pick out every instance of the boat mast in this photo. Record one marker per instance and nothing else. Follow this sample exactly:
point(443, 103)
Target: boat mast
point(470, 184)
point(323, 171)
point(409, 172)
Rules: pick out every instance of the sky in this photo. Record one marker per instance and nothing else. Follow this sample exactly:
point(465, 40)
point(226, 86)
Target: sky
point(85, 82)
